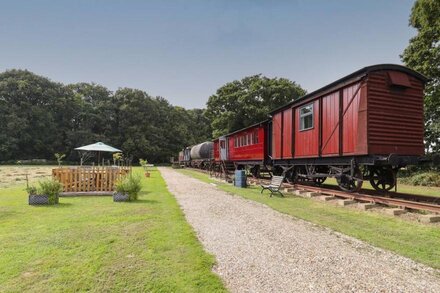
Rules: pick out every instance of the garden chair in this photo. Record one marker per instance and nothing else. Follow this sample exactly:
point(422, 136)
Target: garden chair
point(274, 186)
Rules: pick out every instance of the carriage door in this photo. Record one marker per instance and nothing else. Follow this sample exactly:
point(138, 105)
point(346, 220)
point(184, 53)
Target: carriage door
point(223, 144)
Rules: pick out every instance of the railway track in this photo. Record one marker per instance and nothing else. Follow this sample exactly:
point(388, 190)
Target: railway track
point(402, 200)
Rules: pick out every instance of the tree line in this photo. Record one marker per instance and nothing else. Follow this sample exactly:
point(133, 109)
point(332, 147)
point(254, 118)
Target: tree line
point(39, 117)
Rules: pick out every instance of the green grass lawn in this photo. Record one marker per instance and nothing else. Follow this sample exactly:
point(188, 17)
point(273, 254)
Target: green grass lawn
point(411, 239)
point(93, 244)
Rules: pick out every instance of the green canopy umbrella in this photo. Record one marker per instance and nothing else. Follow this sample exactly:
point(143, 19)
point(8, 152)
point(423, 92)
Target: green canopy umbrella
point(98, 147)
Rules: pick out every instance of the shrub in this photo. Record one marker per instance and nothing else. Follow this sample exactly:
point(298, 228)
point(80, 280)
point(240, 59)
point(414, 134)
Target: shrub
point(143, 163)
point(130, 184)
point(31, 190)
point(51, 188)
point(423, 179)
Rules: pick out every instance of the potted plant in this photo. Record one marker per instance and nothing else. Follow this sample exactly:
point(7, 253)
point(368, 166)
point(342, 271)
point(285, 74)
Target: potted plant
point(144, 163)
point(35, 198)
point(47, 193)
point(127, 188)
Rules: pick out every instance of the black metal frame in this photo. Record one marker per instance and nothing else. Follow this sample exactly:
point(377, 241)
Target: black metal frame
point(373, 160)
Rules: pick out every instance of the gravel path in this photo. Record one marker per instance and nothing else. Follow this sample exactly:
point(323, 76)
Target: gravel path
point(261, 250)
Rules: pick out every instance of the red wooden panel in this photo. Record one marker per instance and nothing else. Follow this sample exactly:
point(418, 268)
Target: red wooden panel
point(350, 120)
point(276, 135)
point(287, 133)
point(395, 117)
point(330, 125)
point(254, 148)
point(307, 141)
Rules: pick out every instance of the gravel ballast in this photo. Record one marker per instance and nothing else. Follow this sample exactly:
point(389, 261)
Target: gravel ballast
point(261, 250)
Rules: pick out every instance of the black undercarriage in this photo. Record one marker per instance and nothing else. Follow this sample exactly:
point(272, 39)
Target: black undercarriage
point(349, 171)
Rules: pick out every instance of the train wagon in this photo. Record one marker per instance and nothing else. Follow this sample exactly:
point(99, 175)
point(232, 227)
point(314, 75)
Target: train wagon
point(247, 148)
point(201, 155)
point(364, 126)
point(185, 157)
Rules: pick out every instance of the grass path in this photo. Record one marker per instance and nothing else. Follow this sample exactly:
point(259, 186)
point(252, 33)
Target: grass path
point(416, 241)
point(93, 244)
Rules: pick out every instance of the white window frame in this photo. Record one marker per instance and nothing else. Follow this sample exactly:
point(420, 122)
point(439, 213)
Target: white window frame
point(301, 116)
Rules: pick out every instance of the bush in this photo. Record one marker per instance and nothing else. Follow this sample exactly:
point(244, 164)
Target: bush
point(423, 179)
point(32, 190)
point(130, 184)
point(51, 188)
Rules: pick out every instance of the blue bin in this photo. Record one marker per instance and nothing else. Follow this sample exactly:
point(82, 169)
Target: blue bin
point(240, 178)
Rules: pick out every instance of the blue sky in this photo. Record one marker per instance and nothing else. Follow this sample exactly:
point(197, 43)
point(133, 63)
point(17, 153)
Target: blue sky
point(185, 50)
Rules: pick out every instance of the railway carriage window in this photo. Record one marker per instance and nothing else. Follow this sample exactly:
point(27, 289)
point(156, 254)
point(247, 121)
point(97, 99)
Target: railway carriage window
point(306, 117)
point(256, 136)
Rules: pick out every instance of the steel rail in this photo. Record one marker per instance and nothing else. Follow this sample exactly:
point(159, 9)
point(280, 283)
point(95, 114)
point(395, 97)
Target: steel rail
point(390, 201)
point(403, 203)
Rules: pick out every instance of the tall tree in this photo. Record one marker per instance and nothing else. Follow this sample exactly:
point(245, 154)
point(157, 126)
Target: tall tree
point(31, 125)
point(423, 55)
point(244, 102)
point(92, 112)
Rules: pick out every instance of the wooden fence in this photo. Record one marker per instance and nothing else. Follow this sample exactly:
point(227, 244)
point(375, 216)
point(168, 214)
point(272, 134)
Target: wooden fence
point(89, 179)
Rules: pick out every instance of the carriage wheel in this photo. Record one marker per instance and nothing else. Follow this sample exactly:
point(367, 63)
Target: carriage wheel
point(255, 171)
point(291, 176)
point(348, 183)
point(382, 179)
point(319, 180)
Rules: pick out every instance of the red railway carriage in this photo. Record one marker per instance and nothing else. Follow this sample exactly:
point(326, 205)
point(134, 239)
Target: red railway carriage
point(245, 146)
point(364, 126)
point(244, 149)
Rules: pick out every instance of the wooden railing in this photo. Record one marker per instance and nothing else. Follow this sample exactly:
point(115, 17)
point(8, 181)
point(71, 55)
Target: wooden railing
point(89, 179)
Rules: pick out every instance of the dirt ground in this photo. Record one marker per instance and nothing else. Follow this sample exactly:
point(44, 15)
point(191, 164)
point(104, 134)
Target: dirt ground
point(16, 175)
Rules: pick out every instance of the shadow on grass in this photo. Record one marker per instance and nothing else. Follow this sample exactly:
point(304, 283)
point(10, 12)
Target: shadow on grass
point(56, 206)
point(144, 201)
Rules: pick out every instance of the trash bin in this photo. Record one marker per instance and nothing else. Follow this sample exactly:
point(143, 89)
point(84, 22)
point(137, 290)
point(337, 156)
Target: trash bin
point(240, 178)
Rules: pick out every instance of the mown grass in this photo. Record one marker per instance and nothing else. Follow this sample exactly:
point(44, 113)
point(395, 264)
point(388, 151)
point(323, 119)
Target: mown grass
point(93, 244)
point(417, 241)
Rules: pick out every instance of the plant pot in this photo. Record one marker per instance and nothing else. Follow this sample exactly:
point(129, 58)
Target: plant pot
point(147, 174)
point(120, 197)
point(38, 199)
